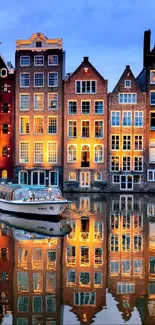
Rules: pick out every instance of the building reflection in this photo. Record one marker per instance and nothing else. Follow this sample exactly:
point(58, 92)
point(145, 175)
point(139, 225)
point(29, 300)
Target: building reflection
point(6, 270)
point(111, 247)
point(37, 280)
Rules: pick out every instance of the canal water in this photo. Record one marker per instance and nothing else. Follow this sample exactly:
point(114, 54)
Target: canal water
point(101, 272)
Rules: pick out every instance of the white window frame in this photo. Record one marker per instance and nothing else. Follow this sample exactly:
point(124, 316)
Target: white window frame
point(138, 126)
point(26, 94)
point(40, 94)
point(34, 121)
point(126, 142)
point(52, 56)
point(102, 146)
point(152, 91)
point(24, 65)
point(56, 117)
point(102, 129)
point(27, 73)
point(54, 72)
point(90, 87)
point(22, 171)
point(72, 179)
point(23, 162)
point(137, 171)
point(153, 174)
point(151, 82)
point(35, 58)
point(138, 135)
point(38, 86)
point(39, 162)
point(116, 126)
point(71, 162)
point(48, 143)
point(115, 171)
point(127, 103)
point(54, 171)
point(125, 83)
point(113, 179)
point(152, 162)
point(83, 101)
point(114, 135)
point(52, 109)
point(71, 137)
point(129, 114)
point(84, 174)
point(99, 100)
point(126, 182)
point(98, 180)
point(75, 101)
point(126, 170)
point(89, 129)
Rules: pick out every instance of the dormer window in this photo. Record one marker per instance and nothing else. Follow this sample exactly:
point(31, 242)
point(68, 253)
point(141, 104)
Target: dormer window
point(127, 83)
point(38, 44)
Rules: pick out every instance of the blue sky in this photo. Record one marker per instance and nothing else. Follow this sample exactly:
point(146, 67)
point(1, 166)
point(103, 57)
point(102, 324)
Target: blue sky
point(110, 32)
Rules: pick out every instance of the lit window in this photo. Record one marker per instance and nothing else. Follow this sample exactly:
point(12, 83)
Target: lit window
point(127, 98)
point(115, 162)
point(98, 177)
point(152, 77)
point(52, 151)
point(127, 83)
point(98, 129)
point(38, 101)
point(99, 107)
point(24, 102)
point(98, 153)
point(115, 118)
point(38, 79)
point(52, 59)
point(72, 129)
point(52, 101)
point(24, 152)
point(85, 107)
point(24, 124)
point(4, 174)
point(38, 152)
point(138, 119)
point(127, 119)
point(24, 80)
point(72, 176)
point(38, 125)
point(84, 255)
point(52, 79)
point(52, 125)
point(85, 87)
point(24, 61)
point(115, 142)
point(72, 107)
point(152, 151)
point(72, 153)
point(38, 60)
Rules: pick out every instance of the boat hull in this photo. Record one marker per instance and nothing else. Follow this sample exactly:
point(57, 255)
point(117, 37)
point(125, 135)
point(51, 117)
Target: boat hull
point(34, 208)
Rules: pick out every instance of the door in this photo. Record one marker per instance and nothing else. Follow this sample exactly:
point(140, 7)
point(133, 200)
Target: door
point(85, 179)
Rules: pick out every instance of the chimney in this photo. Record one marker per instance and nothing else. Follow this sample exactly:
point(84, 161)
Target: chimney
point(86, 59)
point(146, 48)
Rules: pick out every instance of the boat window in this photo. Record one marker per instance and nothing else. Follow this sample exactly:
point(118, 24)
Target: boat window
point(51, 229)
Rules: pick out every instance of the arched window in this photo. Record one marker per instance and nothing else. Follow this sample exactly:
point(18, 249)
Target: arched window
point(97, 176)
point(5, 151)
point(72, 176)
point(53, 178)
point(99, 153)
point(72, 153)
point(23, 177)
point(85, 156)
point(4, 128)
point(4, 173)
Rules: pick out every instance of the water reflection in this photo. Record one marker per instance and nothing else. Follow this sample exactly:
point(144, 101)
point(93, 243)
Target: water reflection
point(106, 264)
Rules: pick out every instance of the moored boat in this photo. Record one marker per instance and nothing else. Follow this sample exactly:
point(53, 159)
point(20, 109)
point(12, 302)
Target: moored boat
point(32, 201)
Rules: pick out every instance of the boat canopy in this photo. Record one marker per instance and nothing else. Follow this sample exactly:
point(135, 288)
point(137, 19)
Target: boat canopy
point(19, 193)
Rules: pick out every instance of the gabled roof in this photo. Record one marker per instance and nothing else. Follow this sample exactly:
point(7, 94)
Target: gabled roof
point(86, 63)
point(4, 64)
point(127, 74)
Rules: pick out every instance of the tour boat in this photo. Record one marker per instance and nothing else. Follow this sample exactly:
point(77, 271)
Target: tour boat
point(45, 228)
point(32, 201)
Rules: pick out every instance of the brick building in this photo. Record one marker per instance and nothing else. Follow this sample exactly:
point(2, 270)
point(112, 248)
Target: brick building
point(146, 80)
point(39, 74)
point(7, 83)
point(85, 130)
point(126, 145)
